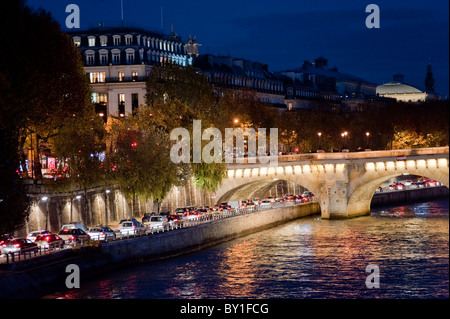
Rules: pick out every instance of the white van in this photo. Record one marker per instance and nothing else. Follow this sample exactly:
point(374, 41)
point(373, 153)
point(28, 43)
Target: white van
point(74, 225)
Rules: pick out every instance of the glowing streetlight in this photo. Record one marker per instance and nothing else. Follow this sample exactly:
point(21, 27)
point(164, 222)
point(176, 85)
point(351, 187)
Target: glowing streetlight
point(320, 142)
point(367, 141)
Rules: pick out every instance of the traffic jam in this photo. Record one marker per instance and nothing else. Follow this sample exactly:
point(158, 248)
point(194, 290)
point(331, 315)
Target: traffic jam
point(77, 234)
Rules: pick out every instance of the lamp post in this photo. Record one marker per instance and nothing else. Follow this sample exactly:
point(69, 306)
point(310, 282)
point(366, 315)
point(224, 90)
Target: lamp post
point(367, 142)
point(320, 150)
point(47, 217)
point(344, 142)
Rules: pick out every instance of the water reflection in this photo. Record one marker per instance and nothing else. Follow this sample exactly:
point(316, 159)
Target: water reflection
point(307, 258)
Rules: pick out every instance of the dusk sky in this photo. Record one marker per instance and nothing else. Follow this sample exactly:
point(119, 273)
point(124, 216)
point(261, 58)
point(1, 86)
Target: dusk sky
point(284, 33)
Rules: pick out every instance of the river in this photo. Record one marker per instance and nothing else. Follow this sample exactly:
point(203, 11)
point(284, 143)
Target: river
point(308, 258)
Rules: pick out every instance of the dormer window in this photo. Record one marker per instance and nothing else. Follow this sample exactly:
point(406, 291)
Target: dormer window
point(91, 41)
point(103, 40)
point(128, 39)
point(77, 41)
point(116, 39)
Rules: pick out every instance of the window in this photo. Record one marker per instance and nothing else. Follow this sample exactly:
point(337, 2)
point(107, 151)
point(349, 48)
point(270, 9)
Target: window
point(100, 98)
point(103, 40)
point(90, 57)
point(115, 56)
point(97, 77)
point(121, 105)
point(128, 39)
point(103, 57)
point(135, 75)
point(130, 56)
point(134, 102)
point(121, 76)
point(116, 39)
point(77, 41)
point(91, 41)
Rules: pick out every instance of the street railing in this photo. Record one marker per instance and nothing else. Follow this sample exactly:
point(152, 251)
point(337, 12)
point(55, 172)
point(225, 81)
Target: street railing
point(10, 258)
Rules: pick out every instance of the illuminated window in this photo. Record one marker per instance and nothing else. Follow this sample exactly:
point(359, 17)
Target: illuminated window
point(103, 40)
point(135, 75)
point(77, 41)
point(121, 76)
point(97, 77)
point(121, 98)
point(100, 98)
point(91, 41)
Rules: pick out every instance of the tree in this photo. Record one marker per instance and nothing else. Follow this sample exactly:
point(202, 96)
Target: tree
point(176, 96)
point(42, 83)
point(140, 159)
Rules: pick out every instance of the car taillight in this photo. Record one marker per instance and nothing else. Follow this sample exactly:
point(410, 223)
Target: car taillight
point(72, 237)
point(102, 234)
point(16, 245)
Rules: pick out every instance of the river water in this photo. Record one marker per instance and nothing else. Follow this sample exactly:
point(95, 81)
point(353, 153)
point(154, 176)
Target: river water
point(306, 258)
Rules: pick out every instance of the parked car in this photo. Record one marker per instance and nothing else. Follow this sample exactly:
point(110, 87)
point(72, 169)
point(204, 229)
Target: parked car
point(131, 227)
point(4, 239)
point(19, 245)
point(73, 236)
point(49, 240)
point(102, 233)
point(75, 225)
point(159, 223)
point(32, 236)
point(265, 204)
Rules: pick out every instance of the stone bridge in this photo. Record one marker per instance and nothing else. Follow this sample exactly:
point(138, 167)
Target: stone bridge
point(343, 183)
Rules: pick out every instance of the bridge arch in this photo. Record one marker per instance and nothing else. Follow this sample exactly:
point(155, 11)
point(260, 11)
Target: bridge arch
point(259, 189)
point(264, 176)
point(362, 188)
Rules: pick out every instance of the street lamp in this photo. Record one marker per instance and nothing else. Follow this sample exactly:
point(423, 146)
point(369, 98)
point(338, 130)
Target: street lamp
point(320, 150)
point(367, 142)
point(344, 141)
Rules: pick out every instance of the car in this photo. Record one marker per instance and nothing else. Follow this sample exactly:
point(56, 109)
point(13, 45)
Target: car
point(4, 239)
point(146, 216)
point(271, 199)
point(49, 240)
point(73, 236)
point(159, 223)
point(32, 236)
point(131, 227)
point(19, 245)
point(203, 212)
point(102, 233)
point(75, 225)
point(265, 204)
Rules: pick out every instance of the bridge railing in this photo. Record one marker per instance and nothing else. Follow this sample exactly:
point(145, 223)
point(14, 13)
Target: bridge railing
point(344, 155)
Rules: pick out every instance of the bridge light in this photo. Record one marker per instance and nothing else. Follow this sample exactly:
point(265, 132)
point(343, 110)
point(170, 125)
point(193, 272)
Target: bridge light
point(443, 162)
point(370, 166)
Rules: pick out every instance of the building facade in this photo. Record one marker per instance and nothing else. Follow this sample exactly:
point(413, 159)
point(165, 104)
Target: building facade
point(229, 73)
point(118, 62)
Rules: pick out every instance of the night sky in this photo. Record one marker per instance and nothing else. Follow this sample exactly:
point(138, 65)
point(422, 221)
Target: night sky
point(284, 33)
